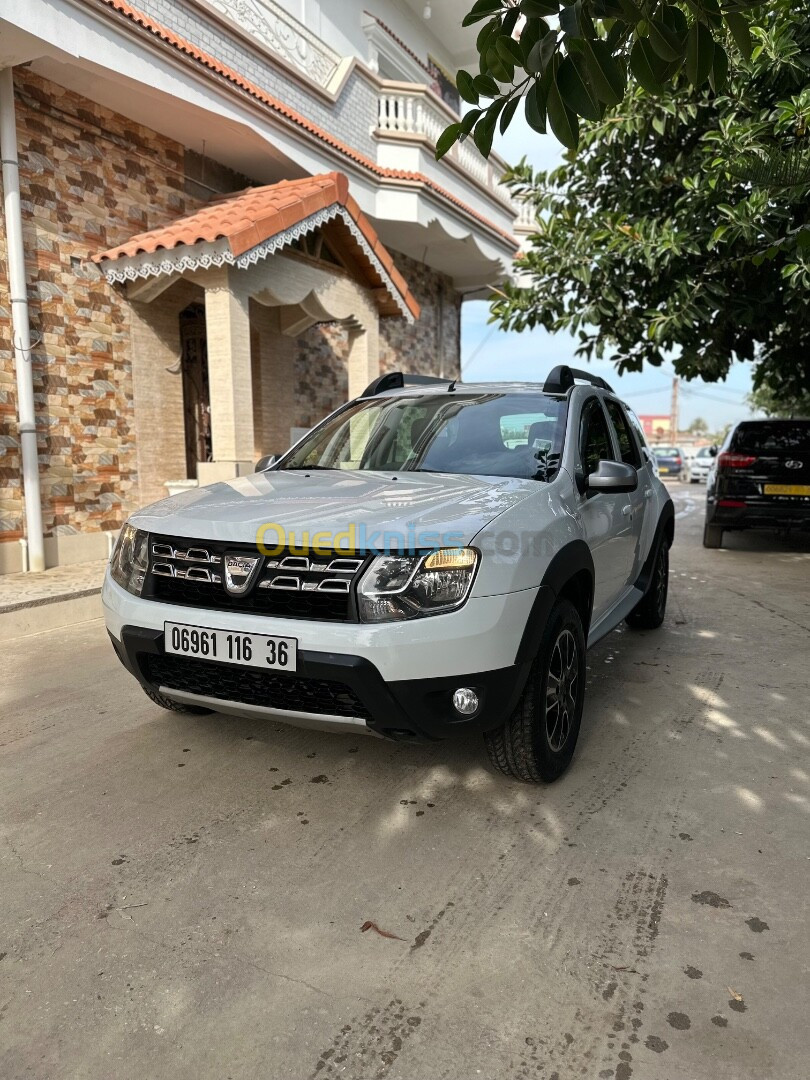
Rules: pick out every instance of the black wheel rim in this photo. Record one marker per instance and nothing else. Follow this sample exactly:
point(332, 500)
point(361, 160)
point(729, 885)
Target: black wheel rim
point(561, 690)
point(662, 580)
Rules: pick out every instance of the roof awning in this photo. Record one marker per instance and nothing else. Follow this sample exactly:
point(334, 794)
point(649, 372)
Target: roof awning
point(242, 228)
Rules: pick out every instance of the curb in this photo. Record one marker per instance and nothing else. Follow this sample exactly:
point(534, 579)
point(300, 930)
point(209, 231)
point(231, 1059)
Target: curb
point(50, 613)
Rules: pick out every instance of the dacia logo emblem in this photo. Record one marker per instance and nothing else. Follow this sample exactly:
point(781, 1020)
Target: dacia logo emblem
point(240, 572)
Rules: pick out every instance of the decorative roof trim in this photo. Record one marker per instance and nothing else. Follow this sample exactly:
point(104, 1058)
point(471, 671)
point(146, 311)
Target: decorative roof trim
point(187, 258)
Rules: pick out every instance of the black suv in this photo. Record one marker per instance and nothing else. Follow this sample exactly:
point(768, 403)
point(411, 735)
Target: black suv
point(760, 479)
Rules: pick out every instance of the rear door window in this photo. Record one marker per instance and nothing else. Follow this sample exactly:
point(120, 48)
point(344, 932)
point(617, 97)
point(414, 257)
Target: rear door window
point(624, 437)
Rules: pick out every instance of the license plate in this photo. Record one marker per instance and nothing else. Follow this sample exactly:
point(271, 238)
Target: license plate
point(663, 468)
point(230, 647)
point(786, 489)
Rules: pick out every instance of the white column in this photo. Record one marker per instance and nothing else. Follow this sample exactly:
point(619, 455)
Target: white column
point(20, 324)
point(227, 321)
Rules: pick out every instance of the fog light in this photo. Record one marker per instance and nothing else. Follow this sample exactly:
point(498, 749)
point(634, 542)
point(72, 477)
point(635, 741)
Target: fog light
point(465, 701)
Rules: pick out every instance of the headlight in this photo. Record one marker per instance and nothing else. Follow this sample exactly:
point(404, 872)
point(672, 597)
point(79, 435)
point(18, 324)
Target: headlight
point(130, 560)
point(407, 586)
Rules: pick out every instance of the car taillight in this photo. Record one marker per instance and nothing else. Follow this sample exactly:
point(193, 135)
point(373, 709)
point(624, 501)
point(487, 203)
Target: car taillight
point(735, 461)
point(678, 461)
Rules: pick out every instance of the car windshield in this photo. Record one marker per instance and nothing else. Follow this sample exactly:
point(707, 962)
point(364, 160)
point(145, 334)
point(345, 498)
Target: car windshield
point(764, 435)
point(665, 451)
point(704, 452)
point(489, 434)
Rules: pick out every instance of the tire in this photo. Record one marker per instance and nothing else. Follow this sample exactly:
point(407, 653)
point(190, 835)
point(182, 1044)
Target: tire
point(535, 745)
point(649, 613)
point(712, 536)
point(174, 706)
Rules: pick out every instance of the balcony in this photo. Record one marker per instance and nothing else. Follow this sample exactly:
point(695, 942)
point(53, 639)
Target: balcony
point(408, 113)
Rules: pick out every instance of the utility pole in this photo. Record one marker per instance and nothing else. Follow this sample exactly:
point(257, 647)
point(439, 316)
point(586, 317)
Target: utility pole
point(673, 408)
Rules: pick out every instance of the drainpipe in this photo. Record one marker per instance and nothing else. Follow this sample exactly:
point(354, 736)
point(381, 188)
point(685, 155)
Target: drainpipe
point(21, 332)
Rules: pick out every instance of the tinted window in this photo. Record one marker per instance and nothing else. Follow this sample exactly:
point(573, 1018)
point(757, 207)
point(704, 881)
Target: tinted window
point(595, 444)
point(639, 430)
point(489, 434)
point(627, 445)
point(761, 436)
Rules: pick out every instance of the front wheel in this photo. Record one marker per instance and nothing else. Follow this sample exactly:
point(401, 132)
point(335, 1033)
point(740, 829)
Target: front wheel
point(537, 742)
point(650, 611)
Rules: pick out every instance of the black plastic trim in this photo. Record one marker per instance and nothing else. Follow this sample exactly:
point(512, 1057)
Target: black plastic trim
point(642, 582)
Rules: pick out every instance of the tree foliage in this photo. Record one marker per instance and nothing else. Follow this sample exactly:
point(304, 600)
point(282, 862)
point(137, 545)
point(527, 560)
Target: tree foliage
point(571, 60)
point(785, 405)
point(653, 240)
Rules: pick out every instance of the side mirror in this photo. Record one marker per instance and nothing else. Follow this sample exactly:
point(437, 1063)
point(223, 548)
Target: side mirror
point(613, 476)
point(713, 450)
point(265, 462)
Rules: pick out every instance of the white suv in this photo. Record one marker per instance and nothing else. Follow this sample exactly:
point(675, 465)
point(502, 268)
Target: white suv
point(432, 557)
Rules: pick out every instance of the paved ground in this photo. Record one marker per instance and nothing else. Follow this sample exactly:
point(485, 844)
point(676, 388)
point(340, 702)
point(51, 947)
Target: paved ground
point(58, 583)
point(183, 897)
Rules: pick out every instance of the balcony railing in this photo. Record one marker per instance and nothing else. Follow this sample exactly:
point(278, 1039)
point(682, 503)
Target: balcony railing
point(409, 110)
point(274, 29)
point(526, 221)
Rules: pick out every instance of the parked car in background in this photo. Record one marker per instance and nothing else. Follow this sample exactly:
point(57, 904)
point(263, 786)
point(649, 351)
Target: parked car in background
point(760, 479)
point(670, 460)
point(699, 466)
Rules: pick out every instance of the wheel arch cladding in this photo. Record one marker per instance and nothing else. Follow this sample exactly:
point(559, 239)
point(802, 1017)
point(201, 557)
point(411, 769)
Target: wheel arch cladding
point(569, 575)
point(664, 531)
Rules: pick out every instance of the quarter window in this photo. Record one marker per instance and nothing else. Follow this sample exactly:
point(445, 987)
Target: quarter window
point(595, 444)
point(627, 444)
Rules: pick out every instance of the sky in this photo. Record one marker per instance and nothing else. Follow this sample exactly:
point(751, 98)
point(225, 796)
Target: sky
point(490, 353)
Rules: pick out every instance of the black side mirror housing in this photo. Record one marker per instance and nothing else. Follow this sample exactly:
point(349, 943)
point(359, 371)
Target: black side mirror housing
point(714, 450)
point(613, 476)
point(265, 462)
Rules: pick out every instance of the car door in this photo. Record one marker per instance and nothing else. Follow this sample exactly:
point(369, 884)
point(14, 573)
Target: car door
point(605, 516)
point(640, 499)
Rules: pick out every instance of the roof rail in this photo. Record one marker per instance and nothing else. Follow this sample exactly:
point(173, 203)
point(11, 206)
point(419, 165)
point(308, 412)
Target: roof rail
point(561, 379)
point(396, 380)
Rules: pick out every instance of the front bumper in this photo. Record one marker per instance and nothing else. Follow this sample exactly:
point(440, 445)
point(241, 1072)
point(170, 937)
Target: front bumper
point(395, 680)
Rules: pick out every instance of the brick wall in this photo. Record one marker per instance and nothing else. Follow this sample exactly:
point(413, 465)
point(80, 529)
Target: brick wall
point(89, 180)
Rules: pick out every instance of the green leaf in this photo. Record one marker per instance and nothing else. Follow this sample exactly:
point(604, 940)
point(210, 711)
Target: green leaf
point(502, 71)
point(564, 121)
point(469, 119)
point(718, 76)
point(642, 64)
point(490, 30)
point(536, 100)
point(542, 53)
point(483, 134)
point(676, 21)
point(604, 73)
point(569, 19)
point(481, 10)
point(507, 114)
point(446, 140)
point(575, 89)
point(509, 50)
point(699, 53)
point(486, 85)
point(665, 41)
point(538, 8)
point(738, 25)
point(466, 87)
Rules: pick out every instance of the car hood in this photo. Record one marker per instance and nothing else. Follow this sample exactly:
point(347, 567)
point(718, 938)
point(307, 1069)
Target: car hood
point(359, 510)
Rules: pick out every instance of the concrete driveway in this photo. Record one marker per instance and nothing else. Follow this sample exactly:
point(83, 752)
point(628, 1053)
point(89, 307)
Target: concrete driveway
point(184, 897)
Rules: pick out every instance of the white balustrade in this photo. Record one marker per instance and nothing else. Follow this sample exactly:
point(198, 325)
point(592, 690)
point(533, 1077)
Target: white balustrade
point(413, 110)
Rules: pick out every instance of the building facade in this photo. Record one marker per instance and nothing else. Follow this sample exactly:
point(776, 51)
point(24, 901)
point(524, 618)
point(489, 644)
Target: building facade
point(232, 220)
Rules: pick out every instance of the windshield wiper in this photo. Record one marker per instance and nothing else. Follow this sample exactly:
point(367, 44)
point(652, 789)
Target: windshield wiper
point(306, 468)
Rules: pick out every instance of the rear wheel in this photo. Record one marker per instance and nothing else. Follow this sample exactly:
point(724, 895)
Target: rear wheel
point(650, 610)
point(173, 706)
point(537, 742)
point(712, 536)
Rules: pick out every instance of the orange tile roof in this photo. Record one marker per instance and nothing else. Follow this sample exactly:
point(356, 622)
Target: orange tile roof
point(182, 45)
point(250, 217)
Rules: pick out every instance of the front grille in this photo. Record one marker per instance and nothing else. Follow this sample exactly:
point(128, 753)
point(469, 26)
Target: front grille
point(192, 572)
point(272, 690)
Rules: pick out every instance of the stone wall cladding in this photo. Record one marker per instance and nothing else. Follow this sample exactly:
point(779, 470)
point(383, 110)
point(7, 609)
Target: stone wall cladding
point(351, 118)
point(430, 346)
point(89, 180)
